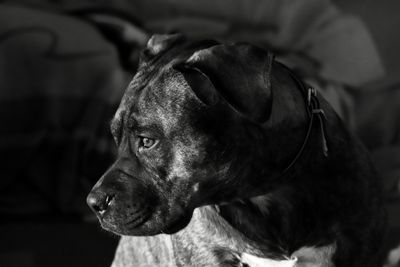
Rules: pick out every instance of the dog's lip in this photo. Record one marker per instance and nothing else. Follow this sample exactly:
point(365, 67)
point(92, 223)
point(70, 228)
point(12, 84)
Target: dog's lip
point(130, 225)
point(140, 218)
point(101, 214)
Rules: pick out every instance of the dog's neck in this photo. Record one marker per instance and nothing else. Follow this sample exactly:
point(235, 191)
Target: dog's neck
point(267, 159)
point(273, 203)
point(216, 241)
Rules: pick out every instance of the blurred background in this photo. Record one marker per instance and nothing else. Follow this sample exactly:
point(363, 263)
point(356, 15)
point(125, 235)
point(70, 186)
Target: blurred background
point(64, 65)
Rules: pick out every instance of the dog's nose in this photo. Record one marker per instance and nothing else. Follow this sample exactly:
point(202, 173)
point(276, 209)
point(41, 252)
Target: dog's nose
point(99, 203)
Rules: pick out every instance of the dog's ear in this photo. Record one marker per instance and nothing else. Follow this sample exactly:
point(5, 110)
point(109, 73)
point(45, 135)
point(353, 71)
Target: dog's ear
point(241, 73)
point(159, 43)
point(199, 83)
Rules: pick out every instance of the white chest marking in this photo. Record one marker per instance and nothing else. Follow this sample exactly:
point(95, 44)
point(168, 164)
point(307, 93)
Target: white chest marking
point(254, 261)
point(304, 257)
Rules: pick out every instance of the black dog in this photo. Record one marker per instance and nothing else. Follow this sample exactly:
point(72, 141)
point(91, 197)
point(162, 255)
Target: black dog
point(205, 123)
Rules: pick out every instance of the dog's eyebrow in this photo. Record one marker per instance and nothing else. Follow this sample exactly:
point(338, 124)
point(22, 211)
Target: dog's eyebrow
point(135, 121)
point(134, 124)
point(131, 122)
point(141, 124)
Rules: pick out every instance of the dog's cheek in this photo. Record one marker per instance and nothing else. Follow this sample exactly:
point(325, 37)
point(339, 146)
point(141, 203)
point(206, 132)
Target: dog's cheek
point(185, 156)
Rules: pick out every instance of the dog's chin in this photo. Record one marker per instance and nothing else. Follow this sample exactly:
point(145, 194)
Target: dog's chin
point(177, 225)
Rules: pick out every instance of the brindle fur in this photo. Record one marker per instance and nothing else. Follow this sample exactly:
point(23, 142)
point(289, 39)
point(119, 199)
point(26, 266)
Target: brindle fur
point(228, 120)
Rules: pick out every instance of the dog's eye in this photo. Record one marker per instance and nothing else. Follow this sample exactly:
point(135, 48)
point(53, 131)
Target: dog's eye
point(145, 142)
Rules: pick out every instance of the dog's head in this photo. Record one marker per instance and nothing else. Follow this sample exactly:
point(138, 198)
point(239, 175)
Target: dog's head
point(185, 130)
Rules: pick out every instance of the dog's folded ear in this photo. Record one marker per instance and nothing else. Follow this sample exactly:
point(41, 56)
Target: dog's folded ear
point(200, 84)
point(240, 73)
point(159, 43)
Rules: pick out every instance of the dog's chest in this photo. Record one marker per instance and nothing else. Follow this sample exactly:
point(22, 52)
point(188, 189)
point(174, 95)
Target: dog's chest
point(203, 243)
point(200, 253)
point(210, 241)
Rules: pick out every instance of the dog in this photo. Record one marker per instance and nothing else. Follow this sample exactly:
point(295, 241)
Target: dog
point(226, 158)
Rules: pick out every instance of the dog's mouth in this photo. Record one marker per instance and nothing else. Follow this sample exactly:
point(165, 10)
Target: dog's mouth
point(146, 221)
point(138, 219)
point(118, 225)
point(140, 225)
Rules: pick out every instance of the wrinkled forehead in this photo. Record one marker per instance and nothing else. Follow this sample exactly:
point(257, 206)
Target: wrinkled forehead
point(163, 97)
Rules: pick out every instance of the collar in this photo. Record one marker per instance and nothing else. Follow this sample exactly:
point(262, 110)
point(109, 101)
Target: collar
point(314, 112)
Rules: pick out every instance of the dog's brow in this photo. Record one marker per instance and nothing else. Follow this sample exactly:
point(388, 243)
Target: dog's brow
point(134, 123)
point(131, 122)
point(134, 120)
